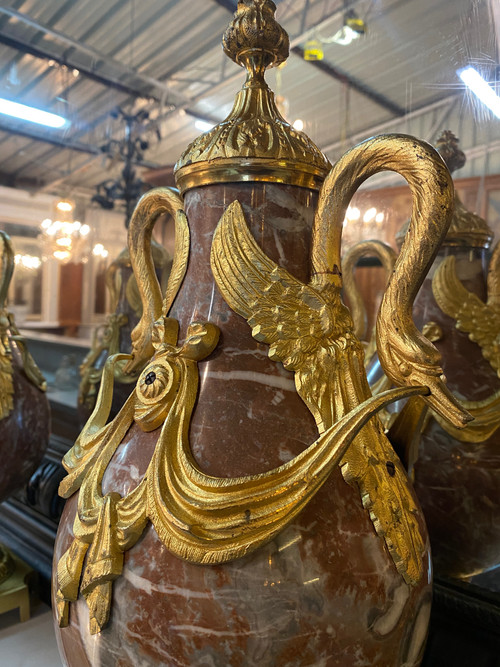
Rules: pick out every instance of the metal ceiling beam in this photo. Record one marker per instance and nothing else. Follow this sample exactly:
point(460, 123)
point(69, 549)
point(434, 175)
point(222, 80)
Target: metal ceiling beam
point(235, 77)
point(58, 142)
point(60, 12)
point(229, 5)
point(389, 124)
point(131, 91)
point(99, 58)
point(9, 181)
point(355, 84)
point(77, 146)
point(47, 187)
point(91, 53)
point(92, 74)
point(331, 71)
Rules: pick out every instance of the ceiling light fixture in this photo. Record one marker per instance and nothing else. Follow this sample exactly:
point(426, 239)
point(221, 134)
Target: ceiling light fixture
point(99, 251)
point(63, 237)
point(481, 89)
point(28, 261)
point(298, 125)
point(313, 50)
point(353, 28)
point(31, 114)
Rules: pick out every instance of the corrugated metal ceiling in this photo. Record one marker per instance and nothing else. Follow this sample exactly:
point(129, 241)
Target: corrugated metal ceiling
point(409, 57)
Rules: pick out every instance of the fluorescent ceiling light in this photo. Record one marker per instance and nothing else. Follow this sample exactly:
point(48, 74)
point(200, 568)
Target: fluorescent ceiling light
point(481, 89)
point(31, 114)
point(203, 126)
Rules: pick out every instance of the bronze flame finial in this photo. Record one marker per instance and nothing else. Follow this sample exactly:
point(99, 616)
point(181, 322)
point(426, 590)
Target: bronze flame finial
point(254, 39)
point(447, 146)
point(254, 143)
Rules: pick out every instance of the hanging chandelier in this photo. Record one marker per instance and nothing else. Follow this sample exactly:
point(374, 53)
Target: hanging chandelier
point(362, 224)
point(63, 237)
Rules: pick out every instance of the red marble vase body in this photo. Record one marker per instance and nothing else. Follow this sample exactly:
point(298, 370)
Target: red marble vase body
point(24, 432)
point(325, 591)
point(458, 482)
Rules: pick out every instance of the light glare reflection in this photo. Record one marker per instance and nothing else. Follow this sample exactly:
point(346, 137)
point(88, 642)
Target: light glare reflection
point(481, 89)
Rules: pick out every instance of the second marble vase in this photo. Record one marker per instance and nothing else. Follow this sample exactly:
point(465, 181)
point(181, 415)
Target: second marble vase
point(457, 472)
point(24, 408)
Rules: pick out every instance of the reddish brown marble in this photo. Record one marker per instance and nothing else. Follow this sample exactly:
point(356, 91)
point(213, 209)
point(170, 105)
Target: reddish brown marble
point(280, 217)
point(24, 433)
point(458, 483)
point(325, 591)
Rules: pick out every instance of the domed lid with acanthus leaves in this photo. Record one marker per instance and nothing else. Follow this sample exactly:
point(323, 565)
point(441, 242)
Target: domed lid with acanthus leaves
point(254, 143)
point(467, 229)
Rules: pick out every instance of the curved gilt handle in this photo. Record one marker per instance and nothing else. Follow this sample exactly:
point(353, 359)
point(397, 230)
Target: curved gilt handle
point(387, 257)
point(407, 357)
point(6, 267)
point(6, 384)
point(494, 278)
point(150, 207)
point(113, 283)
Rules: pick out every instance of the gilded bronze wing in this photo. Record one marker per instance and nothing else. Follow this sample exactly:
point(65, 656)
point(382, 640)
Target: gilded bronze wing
point(481, 321)
point(294, 319)
point(291, 317)
point(311, 333)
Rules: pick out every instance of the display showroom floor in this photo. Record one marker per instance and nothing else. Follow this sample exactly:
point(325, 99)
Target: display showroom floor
point(28, 644)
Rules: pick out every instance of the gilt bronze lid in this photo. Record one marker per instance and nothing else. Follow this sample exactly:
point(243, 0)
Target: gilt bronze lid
point(254, 143)
point(467, 229)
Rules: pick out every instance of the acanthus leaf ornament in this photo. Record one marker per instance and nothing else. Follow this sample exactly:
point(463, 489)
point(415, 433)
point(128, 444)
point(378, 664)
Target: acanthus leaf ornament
point(254, 139)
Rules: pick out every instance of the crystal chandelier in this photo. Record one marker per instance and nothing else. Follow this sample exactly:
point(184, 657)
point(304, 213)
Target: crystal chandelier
point(27, 262)
point(362, 224)
point(64, 238)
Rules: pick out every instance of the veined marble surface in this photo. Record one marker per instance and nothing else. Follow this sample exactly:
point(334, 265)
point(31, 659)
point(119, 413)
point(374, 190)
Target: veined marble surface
point(324, 592)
